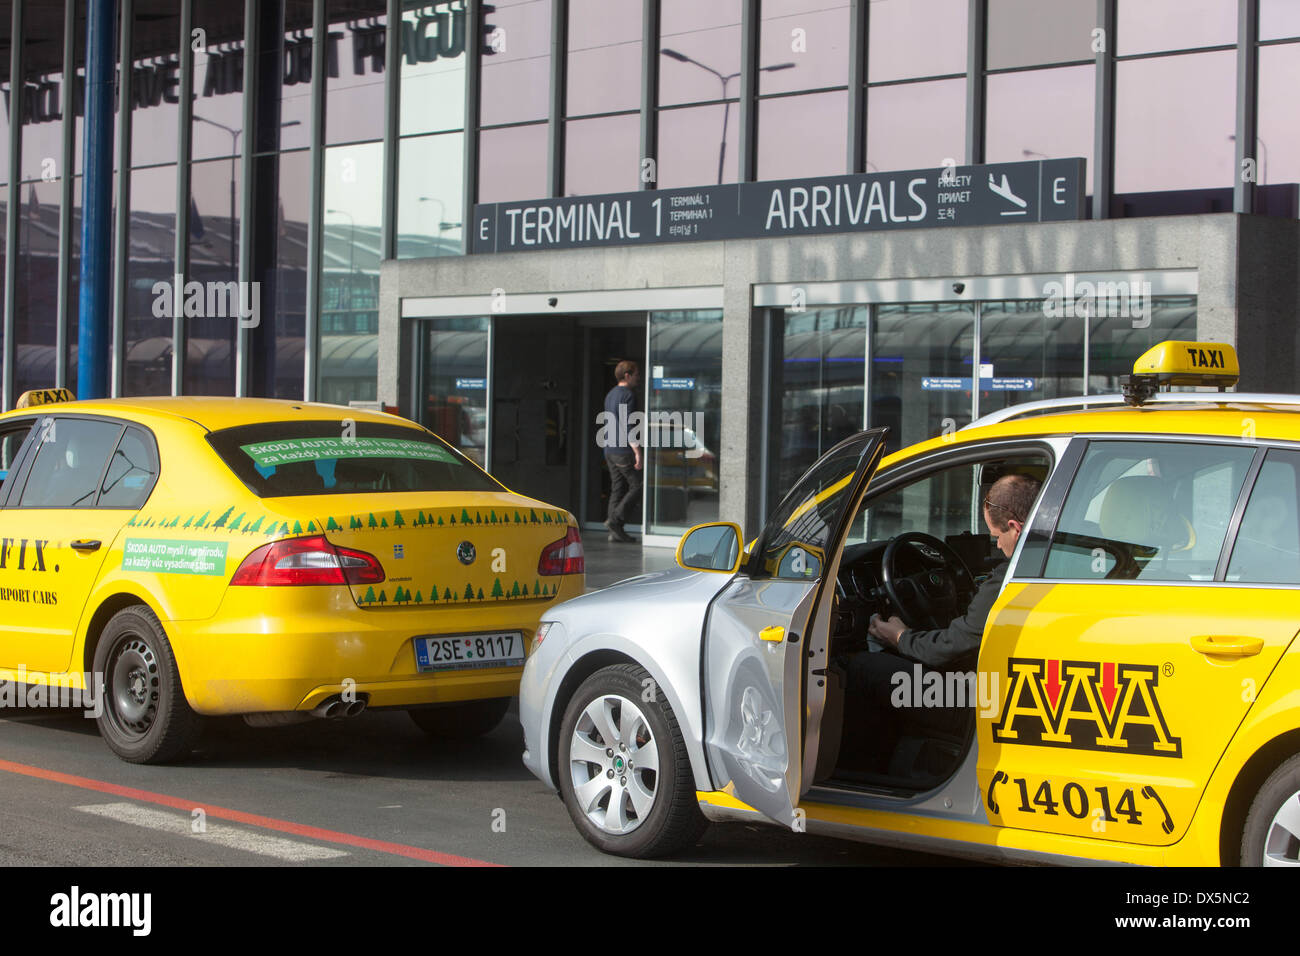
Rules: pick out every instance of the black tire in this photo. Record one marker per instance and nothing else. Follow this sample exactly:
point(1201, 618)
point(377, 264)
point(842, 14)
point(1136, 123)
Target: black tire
point(673, 820)
point(461, 721)
point(145, 717)
point(1259, 836)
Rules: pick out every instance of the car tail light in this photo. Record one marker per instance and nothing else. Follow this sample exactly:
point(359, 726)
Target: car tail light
point(564, 556)
point(313, 560)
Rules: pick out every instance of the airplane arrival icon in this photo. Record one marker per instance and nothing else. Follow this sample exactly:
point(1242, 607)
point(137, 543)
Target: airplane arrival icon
point(1004, 190)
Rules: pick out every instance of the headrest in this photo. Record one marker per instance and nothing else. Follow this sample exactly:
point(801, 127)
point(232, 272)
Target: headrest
point(1139, 510)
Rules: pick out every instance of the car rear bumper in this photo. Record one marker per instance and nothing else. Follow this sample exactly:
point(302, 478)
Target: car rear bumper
point(267, 650)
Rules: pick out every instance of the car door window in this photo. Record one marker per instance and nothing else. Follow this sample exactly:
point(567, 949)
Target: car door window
point(11, 440)
point(1151, 511)
point(69, 462)
point(1267, 547)
point(131, 472)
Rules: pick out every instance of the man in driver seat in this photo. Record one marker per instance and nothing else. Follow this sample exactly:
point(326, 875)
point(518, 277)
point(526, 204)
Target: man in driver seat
point(1005, 509)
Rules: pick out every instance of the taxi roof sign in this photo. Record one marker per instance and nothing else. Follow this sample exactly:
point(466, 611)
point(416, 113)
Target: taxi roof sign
point(1182, 363)
point(44, 396)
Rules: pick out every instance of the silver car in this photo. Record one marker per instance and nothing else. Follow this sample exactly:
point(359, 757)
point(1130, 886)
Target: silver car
point(638, 696)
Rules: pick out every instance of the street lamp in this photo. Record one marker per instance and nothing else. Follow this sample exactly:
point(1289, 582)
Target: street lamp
point(724, 80)
point(442, 223)
point(352, 247)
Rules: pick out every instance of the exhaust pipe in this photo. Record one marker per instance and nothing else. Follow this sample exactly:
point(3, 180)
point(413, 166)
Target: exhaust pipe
point(335, 707)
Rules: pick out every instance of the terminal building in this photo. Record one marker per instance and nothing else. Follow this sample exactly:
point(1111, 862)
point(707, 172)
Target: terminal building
point(801, 217)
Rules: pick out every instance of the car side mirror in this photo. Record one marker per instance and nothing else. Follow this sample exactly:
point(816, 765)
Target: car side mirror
point(711, 547)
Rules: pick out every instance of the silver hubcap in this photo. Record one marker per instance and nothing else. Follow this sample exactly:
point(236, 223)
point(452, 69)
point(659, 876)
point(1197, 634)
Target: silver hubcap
point(614, 764)
point(1282, 846)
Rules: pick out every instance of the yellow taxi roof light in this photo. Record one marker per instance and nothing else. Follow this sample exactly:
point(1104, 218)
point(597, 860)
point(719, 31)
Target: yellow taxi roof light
point(1190, 363)
point(44, 396)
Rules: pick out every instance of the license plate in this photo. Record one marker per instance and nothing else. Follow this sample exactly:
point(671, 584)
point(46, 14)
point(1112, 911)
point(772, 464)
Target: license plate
point(467, 651)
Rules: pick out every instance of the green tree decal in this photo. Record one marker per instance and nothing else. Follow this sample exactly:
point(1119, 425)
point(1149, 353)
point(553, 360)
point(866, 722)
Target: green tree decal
point(383, 598)
point(446, 595)
point(373, 523)
point(297, 527)
point(492, 517)
point(532, 516)
point(131, 523)
point(433, 593)
point(537, 588)
point(235, 524)
point(496, 589)
point(452, 517)
point(221, 522)
point(398, 522)
point(311, 527)
point(255, 526)
point(383, 522)
point(469, 592)
point(517, 518)
point(332, 525)
point(419, 597)
point(480, 594)
point(354, 522)
point(401, 595)
point(370, 595)
point(464, 516)
point(440, 520)
point(188, 521)
point(546, 517)
point(514, 591)
point(478, 517)
point(200, 522)
point(419, 519)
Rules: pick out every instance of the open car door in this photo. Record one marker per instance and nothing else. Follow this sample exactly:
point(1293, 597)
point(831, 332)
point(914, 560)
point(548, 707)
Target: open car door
point(758, 631)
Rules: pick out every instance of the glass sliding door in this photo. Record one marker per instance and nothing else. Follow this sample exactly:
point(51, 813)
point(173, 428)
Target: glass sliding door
point(1028, 352)
point(455, 382)
point(683, 421)
point(922, 370)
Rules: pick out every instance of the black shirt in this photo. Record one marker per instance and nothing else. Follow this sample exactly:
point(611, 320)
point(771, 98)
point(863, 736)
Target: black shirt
point(619, 425)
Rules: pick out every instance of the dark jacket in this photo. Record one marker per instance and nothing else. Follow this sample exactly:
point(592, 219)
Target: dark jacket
point(961, 638)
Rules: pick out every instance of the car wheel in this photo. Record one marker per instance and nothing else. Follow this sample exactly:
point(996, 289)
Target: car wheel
point(1271, 836)
point(623, 769)
point(145, 717)
point(473, 718)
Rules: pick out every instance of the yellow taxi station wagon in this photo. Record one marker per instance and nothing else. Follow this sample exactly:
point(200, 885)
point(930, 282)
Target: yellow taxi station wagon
point(278, 560)
point(1132, 695)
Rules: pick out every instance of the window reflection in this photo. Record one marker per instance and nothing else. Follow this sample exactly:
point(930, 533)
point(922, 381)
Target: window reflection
point(512, 163)
point(604, 56)
point(1034, 32)
point(354, 82)
point(430, 196)
point(1279, 123)
point(821, 381)
point(1151, 26)
point(602, 155)
point(691, 150)
point(709, 34)
point(349, 320)
point(455, 382)
point(214, 258)
point(280, 338)
point(812, 37)
point(1040, 114)
point(1173, 117)
point(915, 38)
point(1279, 19)
point(149, 278)
point(36, 285)
point(916, 125)
point(516, 79)
point(802, 135)
point(433, 68)
point(155, 83)
point(1115, 340)
point(218, 112)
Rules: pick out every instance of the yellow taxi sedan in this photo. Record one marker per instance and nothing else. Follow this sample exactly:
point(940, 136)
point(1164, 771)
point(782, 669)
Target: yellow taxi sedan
point(186, 557)
point(1130, 692)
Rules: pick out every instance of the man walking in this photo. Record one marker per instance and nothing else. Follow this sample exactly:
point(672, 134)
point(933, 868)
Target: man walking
point(622, 455)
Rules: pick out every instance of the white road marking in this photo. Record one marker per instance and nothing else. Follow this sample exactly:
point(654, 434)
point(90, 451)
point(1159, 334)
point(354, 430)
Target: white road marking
point(221, 834)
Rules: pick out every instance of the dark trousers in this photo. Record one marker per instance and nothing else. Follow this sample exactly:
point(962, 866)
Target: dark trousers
point(625, 488)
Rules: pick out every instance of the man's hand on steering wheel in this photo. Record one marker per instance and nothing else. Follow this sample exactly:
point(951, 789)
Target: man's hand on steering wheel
point(933, 596)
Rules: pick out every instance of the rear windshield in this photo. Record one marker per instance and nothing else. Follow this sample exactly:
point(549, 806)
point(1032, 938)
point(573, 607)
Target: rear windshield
point(279, 459)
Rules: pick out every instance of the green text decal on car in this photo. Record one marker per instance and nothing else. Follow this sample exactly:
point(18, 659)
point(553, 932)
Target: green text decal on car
point(270, 453)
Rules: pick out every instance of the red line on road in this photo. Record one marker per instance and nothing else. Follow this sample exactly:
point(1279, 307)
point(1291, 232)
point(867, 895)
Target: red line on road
point(251, 819)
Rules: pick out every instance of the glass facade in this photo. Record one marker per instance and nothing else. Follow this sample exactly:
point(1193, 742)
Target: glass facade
point(227, 188)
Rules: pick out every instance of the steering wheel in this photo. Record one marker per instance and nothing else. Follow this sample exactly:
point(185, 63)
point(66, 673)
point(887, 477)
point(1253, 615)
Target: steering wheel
point(932, 597)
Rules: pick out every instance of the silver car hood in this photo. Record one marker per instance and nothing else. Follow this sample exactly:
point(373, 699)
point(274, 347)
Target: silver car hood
point(673, 599)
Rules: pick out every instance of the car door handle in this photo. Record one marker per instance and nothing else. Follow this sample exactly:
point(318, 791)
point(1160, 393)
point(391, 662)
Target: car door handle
point(1227, 645)
point(85, 546)
point(775, 634)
